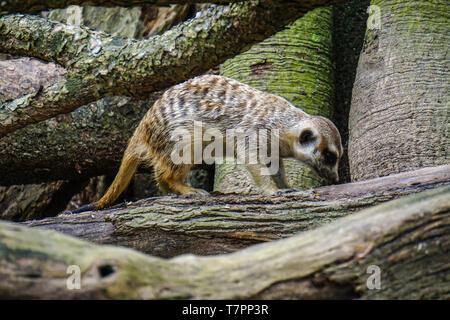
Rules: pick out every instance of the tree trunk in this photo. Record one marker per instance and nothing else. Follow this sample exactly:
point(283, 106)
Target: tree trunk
point(397, 250)
point(117, 21)
point(296, 64)
point(169, 226)
point(133, 23)
point(399, 118)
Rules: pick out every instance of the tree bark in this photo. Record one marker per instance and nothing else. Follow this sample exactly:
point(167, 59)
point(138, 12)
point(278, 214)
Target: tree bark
point(295, 63)
point(169, 226)
point(133, 22)
point(37, 201)
point(399, 118)
point(116, 21)
point(99, 65)
point(407, 242)
point(23, 76)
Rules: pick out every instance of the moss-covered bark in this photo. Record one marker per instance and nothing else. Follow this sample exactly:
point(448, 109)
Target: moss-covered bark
point(400, 112)
point(99, 65)
point(296, 64)
point(407, 239)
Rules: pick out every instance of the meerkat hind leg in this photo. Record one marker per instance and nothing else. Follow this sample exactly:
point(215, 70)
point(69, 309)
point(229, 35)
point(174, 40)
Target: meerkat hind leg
point(162, 185)
point(173, 180)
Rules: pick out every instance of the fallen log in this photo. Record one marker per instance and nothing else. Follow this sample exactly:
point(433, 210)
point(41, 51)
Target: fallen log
point(398, 249)
point(172, 225)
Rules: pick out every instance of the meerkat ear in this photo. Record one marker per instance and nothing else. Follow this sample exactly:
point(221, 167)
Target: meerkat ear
point(306, 137)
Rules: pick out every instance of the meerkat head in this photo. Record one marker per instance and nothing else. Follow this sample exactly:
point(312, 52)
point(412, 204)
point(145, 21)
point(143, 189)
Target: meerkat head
point(317, 142)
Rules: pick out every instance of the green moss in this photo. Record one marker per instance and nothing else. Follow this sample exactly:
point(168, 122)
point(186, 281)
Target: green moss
point(74, 84)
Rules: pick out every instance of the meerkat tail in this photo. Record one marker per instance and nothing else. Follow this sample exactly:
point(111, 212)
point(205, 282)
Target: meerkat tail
point(128, 167)
point(130, 162)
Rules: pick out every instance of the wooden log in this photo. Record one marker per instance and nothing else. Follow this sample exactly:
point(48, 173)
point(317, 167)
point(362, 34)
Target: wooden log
point(173, 225)
point(398, 249)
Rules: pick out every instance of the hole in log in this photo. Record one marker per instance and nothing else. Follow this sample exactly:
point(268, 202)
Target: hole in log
point(106, 270)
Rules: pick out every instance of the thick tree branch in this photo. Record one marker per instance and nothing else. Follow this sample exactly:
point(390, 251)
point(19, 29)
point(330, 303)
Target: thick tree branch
point(408, 240)
point(168, 226)
point(99, 65)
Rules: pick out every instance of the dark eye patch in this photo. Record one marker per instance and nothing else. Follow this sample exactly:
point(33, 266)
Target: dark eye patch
point(306, 137)
point(329, 158)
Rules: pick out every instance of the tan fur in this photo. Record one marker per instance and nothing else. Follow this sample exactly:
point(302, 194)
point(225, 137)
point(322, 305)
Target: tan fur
point(220, 103)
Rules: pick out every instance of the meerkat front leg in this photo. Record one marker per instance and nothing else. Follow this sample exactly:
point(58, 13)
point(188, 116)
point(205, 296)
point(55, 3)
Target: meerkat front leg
point(280, 177)
point(282, 180)
point(266, 183)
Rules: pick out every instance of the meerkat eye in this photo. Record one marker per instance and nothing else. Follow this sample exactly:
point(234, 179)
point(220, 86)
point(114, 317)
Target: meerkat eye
point(306, 137)
point(329, 158)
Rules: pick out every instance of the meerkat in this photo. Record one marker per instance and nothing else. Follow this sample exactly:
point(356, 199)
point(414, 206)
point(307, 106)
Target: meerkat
point(222, 103)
